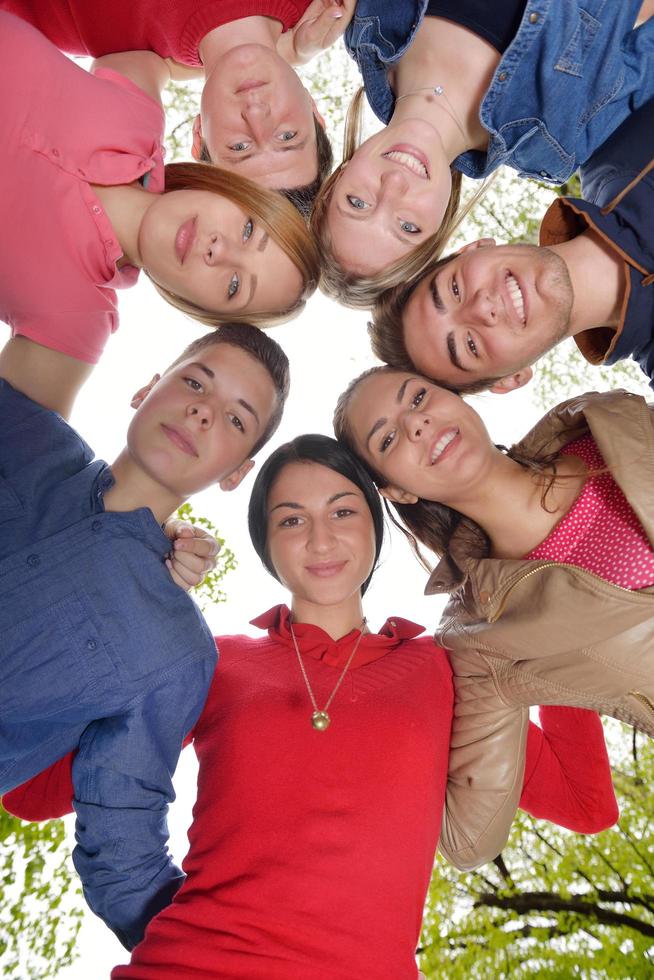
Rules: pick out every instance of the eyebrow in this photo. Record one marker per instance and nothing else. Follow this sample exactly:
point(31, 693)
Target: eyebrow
point(203, 367)
point(249, 408)
point(399, 398)
point(451, 350)
point(264, 241)
point(361, 216)
point(276, 149)
point(296, 506)
point(436, 296)
point(253, 286)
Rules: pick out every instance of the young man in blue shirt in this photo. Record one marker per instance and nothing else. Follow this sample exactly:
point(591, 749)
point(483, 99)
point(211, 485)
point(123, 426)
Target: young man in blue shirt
point(100, 649)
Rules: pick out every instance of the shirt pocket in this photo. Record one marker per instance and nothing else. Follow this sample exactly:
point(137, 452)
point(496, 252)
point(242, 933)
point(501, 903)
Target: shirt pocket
point(53, 661)
point(574, 54)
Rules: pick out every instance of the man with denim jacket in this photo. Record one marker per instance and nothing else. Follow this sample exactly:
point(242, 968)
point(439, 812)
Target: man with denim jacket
point(574, 70)
point(100, 650)
point(480, 318)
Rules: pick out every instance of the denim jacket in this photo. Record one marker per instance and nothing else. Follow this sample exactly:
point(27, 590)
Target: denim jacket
point(99, 651)
point(573, 72)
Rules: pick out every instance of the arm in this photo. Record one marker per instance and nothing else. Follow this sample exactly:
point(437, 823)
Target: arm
point(122, 783)
point(46, 376)
point(568, 773)
point(144, 68)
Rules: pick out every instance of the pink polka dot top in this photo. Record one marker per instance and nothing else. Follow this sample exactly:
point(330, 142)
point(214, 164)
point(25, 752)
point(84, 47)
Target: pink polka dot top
point(600, 533)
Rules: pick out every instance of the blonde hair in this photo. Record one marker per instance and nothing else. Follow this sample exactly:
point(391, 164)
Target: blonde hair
point(279, 218)
point(360, 292)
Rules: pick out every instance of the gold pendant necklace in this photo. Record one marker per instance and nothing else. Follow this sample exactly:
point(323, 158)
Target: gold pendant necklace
point(320, 718)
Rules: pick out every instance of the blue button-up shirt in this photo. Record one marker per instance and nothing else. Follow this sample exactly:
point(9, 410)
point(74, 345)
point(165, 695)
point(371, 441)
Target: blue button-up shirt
point(100, 650)
point(573, 72)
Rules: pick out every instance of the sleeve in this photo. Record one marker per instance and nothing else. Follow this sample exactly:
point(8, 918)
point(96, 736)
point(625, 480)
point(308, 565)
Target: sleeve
point(486, 764)
point(46, 796)
point(122, 779)
point(568, 773)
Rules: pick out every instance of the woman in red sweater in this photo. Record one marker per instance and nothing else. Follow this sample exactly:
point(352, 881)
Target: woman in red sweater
point(323, 753)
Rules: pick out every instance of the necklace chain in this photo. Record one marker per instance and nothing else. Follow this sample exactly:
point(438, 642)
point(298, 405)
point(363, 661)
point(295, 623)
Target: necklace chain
point(440, 91)
point(320, 719)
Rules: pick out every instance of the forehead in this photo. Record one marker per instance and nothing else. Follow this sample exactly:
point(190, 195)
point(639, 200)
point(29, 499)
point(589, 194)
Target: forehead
point(309, 485)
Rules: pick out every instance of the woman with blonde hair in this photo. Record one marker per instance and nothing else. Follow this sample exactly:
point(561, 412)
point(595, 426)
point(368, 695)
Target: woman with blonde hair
point(464, 87)
point(86, 203)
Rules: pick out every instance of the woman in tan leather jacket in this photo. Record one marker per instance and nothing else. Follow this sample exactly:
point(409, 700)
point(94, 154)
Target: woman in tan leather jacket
point(546, 552)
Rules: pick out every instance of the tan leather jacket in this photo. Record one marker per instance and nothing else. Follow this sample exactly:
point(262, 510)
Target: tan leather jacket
point(523, 633)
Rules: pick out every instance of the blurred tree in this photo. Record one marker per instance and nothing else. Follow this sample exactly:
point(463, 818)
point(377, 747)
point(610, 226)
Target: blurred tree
point(554, 904)
point(40, 904)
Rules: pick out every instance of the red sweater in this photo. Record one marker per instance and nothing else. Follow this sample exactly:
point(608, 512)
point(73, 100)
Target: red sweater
point(171, 28)
point(311, 852)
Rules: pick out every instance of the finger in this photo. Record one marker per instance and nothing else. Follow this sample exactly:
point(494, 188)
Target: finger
point(176, 528)
point(205, 547)
point(315, 35)
point(196, 564)
point(185, 576)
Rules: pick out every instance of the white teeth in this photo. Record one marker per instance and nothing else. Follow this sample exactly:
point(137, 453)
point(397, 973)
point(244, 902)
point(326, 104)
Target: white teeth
point(442, 444)
point(516, 296)
point(407, 160)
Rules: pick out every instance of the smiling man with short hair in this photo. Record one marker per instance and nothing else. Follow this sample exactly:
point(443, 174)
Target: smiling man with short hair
point(478, 319)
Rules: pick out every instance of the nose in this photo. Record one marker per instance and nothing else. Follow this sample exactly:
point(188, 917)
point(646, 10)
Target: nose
point(485, 307)
point(415, 425)
point(258, 117)
point(200, 415)
point(321, 538)
point(218, 249)
point(393, 184)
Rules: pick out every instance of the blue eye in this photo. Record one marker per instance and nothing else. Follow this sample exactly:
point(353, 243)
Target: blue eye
point(356, 202)
point(239, 147)
point(290, 134)
point(410, 228)
point(248, 228)
point(234, 284)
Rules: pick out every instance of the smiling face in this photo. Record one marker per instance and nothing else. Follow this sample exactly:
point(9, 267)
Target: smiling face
point(321, 538)
point(208, 251)
point(390, 197)
point(489, 312)
point(257, 119)
point(424, 440)
point(197, 425)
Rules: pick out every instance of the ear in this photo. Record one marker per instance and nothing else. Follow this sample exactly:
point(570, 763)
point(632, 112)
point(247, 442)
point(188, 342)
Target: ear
point(316, 111)
point(196, 148)
point(142, 393)
point(398, 496)
point(480, 243)
point(513, 381)
point(232, 481)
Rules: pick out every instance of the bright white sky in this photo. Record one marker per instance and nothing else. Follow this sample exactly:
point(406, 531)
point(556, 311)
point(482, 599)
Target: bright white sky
point(327, 346)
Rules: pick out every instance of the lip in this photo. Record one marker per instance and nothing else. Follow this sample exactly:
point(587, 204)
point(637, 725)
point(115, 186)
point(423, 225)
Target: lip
point(185, 237)
point(249, 84)
point(326, 569)
point(413, 151)
point(180, 438)
point(509, 302)
point(449, 449)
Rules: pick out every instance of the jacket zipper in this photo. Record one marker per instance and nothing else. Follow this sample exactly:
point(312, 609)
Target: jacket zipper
point(552, 564)
point(644, 700)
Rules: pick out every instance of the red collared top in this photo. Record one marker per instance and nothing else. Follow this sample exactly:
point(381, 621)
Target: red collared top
point(65, 130)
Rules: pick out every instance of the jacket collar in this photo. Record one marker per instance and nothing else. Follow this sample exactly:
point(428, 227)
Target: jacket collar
point(621, 425)
point(314, 642)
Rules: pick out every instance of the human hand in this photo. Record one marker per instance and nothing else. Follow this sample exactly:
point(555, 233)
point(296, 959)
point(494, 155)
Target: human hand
point(322, 23)
point(193, 554)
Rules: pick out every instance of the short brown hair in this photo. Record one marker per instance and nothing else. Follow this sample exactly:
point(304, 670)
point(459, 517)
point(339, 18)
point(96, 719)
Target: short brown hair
point(265, 350)
point(275, 214)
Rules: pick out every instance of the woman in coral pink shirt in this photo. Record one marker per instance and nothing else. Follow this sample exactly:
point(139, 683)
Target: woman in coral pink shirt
point(323, 751)
point(85, 202)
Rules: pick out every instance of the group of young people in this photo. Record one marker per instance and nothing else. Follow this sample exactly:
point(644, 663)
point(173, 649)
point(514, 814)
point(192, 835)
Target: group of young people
point(333, 760)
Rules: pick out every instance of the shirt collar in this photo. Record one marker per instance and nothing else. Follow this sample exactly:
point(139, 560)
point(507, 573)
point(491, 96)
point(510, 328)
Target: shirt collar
point(312, 641)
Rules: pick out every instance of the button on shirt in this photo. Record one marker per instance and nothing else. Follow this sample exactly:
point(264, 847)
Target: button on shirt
point(100, 651)
point(63, 130)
